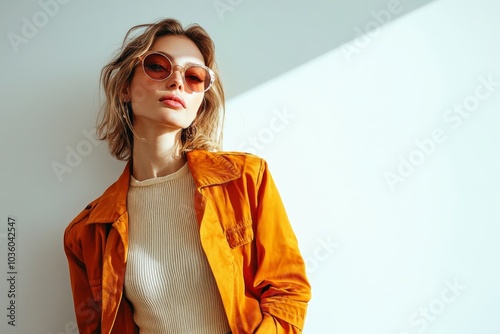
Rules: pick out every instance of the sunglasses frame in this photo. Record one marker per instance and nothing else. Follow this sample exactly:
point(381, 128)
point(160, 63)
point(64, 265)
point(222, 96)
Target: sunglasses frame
point(184, 68)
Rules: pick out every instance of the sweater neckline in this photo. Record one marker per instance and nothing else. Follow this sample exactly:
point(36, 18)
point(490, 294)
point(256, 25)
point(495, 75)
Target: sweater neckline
point(183, 171)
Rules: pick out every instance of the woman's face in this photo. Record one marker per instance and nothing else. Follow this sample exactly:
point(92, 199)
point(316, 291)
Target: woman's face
point(150, 108)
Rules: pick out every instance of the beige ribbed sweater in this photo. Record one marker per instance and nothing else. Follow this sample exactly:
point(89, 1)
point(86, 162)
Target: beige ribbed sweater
point(168, 279)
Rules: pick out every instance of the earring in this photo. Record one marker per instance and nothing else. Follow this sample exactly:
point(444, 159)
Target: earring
point(126, 114)
point(191, 131)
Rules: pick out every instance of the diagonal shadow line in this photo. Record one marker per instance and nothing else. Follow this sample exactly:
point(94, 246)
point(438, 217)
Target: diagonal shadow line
point(285, 38)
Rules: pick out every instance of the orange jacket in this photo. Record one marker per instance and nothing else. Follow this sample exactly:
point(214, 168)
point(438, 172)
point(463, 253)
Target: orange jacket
point(244, 231)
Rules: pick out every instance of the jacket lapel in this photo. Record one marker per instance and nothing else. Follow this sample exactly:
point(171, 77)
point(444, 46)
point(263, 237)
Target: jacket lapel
point(113, 274)
point(111, 209)
point(210, 169)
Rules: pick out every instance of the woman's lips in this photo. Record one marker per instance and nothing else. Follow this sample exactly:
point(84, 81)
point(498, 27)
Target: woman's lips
point(173, 104)
point(173, 101)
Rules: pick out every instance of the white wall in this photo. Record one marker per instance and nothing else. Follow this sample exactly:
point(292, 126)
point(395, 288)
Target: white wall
point(420, 256)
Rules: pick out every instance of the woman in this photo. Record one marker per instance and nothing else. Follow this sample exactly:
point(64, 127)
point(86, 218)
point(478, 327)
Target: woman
point(189, 239)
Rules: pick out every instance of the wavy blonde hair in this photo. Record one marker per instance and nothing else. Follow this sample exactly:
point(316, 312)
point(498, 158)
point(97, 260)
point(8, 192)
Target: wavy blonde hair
point(114, 122)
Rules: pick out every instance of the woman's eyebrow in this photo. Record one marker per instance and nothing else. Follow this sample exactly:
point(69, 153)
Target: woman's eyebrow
point(173, 58)
point(164, 53)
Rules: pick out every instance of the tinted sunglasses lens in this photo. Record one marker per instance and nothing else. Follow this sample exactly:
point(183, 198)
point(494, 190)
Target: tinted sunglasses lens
point(157, 67)
point(197, 78)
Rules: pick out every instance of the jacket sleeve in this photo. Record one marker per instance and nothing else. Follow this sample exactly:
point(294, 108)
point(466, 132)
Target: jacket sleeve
point(87, 311)
point(281, 269)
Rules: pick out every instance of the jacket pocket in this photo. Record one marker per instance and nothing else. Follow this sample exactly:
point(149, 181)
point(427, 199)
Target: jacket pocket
point(240, 234)
point(96, 287)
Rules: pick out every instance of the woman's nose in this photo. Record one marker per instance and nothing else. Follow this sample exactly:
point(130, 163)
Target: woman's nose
point(175, 79)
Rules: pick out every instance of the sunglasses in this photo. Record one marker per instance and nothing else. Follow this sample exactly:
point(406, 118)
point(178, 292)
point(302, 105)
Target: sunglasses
point(159, 67)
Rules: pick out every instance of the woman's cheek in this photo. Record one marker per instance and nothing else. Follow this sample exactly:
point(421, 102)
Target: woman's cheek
point(142, 87)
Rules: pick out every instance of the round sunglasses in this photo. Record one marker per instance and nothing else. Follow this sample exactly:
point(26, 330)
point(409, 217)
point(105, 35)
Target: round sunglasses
point(159, 67)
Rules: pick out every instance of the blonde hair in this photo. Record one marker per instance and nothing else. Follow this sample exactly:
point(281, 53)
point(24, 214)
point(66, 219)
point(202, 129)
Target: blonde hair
point(114, 123)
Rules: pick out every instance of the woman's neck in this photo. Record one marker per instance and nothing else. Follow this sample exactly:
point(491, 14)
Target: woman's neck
point(157, 155)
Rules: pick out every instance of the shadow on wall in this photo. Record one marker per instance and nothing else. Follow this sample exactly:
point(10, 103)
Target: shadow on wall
point(293, 34)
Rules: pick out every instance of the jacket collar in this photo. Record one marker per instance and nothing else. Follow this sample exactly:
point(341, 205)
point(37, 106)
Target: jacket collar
point(207, 169)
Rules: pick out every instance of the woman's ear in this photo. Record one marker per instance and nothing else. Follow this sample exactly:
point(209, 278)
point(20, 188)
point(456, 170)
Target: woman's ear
point(125, 96)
